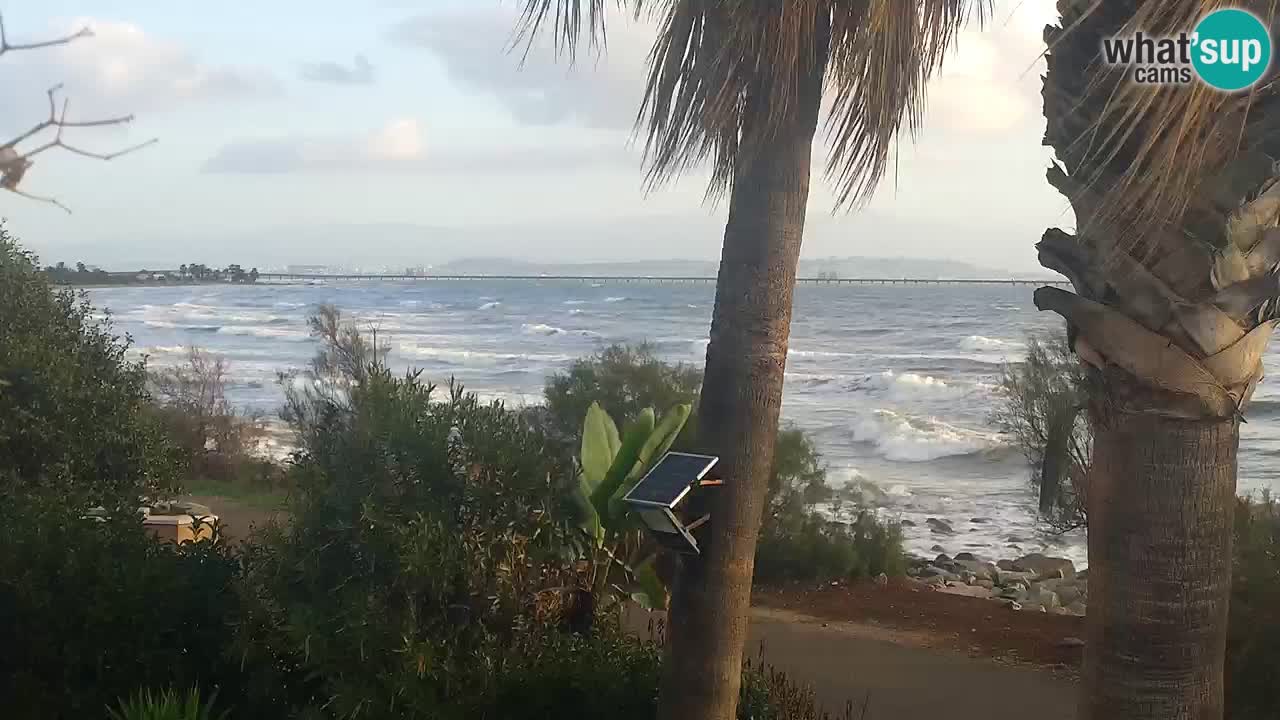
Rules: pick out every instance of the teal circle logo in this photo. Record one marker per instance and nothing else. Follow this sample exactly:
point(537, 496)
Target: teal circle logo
point(1231, 49)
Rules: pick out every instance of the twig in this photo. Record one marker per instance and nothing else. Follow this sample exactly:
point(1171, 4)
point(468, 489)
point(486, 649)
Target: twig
point(6, 46)
point(13, 166)
point(39, 198)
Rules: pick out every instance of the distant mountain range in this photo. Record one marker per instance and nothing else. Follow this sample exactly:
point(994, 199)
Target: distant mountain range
point(845, 267)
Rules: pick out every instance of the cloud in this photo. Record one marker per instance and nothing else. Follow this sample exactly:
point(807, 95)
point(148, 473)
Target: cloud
point(476, 51)
point(332, 73)
point(122, 69)
point(400, 147)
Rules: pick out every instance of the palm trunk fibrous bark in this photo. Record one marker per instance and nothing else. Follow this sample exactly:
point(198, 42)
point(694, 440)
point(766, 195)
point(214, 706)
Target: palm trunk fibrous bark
point(1174, 269)
point(740, 405)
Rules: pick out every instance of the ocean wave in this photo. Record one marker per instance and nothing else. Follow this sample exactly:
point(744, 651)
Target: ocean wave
point(574, 302)
point(165, 350)
point(904, 438)
point(616, 299)
point(978, 343)
point(489, 305)
point(544, 329)
point(270, 333)
point(170, 325)
point(454, 355)
point(820, 353)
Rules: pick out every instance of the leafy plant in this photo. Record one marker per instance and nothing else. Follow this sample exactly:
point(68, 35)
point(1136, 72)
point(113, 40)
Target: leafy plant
point(611, 464)
point(167, 705)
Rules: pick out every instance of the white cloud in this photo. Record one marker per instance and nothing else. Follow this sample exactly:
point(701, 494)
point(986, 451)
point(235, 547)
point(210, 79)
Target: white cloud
point(400, 146)
point(476, 49)
point(123, 69)
point(361, 72)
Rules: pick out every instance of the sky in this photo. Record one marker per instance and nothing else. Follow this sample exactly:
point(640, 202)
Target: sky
point(392, 133)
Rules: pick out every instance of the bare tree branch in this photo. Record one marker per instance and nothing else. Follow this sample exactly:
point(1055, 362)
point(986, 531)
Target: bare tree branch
point(39, 198)
point(14, 164)
point(6, 46)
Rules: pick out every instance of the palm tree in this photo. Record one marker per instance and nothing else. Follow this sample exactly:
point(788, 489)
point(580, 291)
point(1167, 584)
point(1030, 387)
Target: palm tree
point(1174, 269)
point(741, 84)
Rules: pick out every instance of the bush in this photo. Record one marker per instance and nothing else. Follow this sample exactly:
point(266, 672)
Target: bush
point(1050, 382)
point(93, 610)
point(1042, 407)
point(423, 528)
point(167, 705)
point(1253, 643)
point(796, 543)
point(75, 418)
point(219, 444)
point(623, 379)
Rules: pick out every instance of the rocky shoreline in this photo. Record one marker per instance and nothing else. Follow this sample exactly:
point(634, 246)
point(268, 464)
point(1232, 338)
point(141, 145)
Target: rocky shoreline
point(1032, 583)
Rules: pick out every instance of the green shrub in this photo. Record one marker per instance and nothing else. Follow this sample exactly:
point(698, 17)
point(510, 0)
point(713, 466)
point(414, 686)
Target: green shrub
point(92, 610)
point(75, 416)
point(812, 548)
point(796, 542)
point(1253, 643)
point(167, 705)
point(622, 379)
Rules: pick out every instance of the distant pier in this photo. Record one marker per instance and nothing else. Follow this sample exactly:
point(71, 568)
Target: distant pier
point(657, 279)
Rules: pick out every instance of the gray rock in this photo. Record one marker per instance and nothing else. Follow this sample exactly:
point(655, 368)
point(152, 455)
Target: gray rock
point(935, 580)
point(937, 549)
point(906, 523)
point(980, 570)
point(967, 591)
point(966, 556)
point(942, 527)
point(1005, 577)
point(942, 560)
point(1005, 564)
point(1016, 594)
point(1076, 608)
point(1068, 592)
point(1015, 605)
point(979, 521)
point(988, 584)
point(1045, 566)
point(1044, 598)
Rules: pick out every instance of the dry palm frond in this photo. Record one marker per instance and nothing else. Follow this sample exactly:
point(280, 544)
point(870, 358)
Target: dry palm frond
point(726, 76)
point(1153, 149)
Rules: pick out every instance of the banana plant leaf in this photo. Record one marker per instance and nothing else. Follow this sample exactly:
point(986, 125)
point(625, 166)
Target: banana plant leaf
point(654, 448)
point(599, 445)
point(585, 515)
point(633, 439)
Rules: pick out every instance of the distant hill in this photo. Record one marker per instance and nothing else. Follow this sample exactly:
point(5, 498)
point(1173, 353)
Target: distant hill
point(846, 267)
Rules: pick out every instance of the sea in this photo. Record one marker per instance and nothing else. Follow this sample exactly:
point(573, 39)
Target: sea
point(896, 383)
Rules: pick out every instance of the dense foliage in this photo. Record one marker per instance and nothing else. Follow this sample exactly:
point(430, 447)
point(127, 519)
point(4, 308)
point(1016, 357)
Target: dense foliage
point(797, 542)
point(90, 611)
point(1051, 379)
point(425, 571)
point(75, 416)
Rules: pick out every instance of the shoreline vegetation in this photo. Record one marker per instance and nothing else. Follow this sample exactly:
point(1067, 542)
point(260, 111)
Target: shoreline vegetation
point(425, 532)
point(81, 275)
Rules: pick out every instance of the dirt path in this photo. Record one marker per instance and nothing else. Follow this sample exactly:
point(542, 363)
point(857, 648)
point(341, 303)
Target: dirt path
point(909, 655)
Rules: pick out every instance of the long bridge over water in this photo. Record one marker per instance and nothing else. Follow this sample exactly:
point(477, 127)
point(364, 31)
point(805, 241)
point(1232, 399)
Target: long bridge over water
point(652, 279)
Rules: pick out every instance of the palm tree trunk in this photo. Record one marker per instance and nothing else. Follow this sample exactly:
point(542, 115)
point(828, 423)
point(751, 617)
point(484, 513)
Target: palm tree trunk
point(1161, 499)
point(739, 408)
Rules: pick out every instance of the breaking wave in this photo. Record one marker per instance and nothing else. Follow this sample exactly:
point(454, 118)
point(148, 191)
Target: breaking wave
point(904, 438)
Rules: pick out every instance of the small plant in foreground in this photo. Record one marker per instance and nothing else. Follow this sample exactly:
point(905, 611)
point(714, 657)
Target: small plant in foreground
point(167, 705)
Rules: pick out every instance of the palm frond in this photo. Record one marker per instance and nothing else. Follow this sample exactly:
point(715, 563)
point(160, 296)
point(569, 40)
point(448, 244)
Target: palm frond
point(726, 76)
point(1154, 154)
point(883, 53)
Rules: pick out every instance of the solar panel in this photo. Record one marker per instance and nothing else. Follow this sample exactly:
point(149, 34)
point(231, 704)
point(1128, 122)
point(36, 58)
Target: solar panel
point(668, 481)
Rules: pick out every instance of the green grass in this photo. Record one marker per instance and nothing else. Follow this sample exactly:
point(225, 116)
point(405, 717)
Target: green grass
point(249, 496)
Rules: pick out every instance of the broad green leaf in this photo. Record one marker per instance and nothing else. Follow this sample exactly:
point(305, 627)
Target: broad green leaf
point(599, 444)
point(654, 448)
point(585, 515)
point(633, 439)
point(651, 593)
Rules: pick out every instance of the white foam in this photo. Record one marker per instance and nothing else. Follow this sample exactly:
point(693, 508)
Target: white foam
point(544, 329)
point(615, 299)
point(904, 438)
point(575, 302)
point(979, 343)
point(489, 305)
point(272, 333)
point(476, 356)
